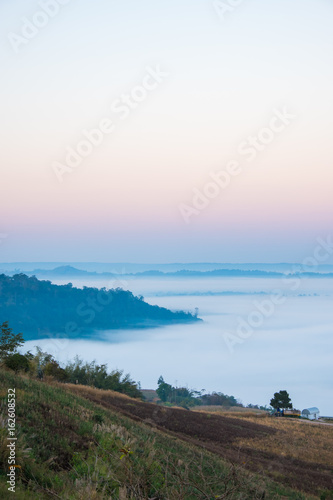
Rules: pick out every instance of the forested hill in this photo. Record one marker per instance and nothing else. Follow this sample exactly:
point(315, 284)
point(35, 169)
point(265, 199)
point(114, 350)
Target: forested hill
point(37, 308)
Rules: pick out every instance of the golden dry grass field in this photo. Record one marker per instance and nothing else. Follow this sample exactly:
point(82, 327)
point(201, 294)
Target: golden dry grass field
point(295, 438)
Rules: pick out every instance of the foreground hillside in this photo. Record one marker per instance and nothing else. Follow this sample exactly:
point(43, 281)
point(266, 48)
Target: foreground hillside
point(39, 308)
point(76, 442)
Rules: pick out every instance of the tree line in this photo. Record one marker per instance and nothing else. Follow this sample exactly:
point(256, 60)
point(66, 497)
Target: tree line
point(184, 397)
point(42, 364)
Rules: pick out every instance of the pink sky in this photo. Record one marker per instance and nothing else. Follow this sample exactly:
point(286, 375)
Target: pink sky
point(225, 79)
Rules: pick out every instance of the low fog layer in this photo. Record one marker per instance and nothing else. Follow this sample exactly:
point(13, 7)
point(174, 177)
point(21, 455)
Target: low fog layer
point(290, 348)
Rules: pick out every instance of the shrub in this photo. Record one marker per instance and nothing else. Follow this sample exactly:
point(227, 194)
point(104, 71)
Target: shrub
point(53, 369)
point(17, 362)
point(9, 342)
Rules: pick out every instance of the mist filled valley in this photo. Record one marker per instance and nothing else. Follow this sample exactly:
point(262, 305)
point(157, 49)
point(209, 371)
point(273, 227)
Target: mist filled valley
point(257, 335)
point(166, 250)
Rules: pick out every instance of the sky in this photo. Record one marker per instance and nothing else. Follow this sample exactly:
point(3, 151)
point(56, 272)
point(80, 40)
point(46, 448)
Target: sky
point(182, 93)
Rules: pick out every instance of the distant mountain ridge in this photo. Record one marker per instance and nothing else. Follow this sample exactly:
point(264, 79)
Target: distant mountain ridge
point(127, 267)
point(70, 271)
point(62, 271)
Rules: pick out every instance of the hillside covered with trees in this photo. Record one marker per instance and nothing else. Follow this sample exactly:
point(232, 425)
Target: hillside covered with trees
point(40, 307)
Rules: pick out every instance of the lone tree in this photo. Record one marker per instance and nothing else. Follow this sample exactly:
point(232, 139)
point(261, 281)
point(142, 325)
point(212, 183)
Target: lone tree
point(164, 390)
point(9, 342)
point(281, 400)
point(17, 362)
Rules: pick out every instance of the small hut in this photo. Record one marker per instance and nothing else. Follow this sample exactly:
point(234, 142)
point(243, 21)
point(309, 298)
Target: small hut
point(311, 413)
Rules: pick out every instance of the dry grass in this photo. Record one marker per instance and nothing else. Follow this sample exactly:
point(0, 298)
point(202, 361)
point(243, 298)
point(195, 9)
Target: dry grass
point(81, 390)
point(295, 438)
point(69, 447)
point(236, 411)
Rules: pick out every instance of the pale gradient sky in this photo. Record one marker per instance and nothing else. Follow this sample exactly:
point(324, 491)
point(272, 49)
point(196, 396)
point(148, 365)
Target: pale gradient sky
point(225, 80)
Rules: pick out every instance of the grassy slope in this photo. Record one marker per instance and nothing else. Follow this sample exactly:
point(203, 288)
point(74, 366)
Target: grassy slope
point(71, 448)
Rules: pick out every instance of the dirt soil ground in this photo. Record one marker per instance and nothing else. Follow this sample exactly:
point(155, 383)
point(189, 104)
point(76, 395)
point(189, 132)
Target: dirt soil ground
point(218, 434)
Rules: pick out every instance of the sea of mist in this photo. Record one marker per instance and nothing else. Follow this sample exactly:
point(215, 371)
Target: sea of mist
point(291, 349)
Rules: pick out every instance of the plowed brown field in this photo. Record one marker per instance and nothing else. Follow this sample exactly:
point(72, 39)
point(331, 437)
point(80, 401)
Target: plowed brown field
point(219, 434)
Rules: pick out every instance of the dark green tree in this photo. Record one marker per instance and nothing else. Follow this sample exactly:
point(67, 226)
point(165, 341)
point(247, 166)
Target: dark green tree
point(164, 390)
point(17, 362)
point(53, 369)
point(281, 400)
point(180, 396)
point(219, 399)
point(9, 342)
